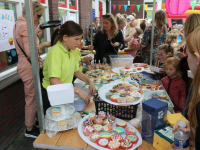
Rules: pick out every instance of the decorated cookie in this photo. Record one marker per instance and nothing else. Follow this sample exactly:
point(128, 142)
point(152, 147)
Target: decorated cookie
point(121, 123)
point(107, 128)
point(126, 144)
point(103, 142)
point(114, 144)
point(116, 137)
point(132, 138)
point(105, 135)
point(130, 130)
point(119, 130)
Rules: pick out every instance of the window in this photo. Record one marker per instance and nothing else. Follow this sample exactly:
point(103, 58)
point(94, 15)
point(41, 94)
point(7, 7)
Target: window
point(63, 16)
point(73, 4)
point(9, 58)
point(62, 3)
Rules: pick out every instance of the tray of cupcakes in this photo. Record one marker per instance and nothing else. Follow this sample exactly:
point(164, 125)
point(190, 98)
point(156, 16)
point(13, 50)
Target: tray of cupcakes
point(121, 93)
point(107, 132)
point(61, 118)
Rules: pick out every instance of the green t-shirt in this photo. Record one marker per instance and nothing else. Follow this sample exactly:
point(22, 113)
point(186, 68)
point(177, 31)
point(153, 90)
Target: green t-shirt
point(78, 58)
point(58, 64)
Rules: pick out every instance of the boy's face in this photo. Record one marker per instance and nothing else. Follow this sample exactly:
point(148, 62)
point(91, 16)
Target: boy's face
point(136, 35)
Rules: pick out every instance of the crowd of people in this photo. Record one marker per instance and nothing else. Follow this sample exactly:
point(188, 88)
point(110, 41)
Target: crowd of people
point(111, 34)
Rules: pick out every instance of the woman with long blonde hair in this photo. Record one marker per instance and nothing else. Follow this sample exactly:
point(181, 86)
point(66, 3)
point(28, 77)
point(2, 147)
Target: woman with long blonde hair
point(160, 31)
point(109, 40)
point(193, 51)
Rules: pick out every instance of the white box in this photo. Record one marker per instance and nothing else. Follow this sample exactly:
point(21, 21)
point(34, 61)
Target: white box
point(60, 94)
point(155, 69)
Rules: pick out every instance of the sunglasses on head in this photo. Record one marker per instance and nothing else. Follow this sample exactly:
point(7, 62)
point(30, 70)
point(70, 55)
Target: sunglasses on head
point(106, 16)
point(39, 16)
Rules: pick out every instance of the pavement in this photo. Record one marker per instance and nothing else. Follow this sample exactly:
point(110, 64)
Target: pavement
point(22, 143)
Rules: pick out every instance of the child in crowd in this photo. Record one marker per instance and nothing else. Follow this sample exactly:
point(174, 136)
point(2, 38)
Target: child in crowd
point(174, 84)
point(172, 39)
point(133, 45)
point(164, 51)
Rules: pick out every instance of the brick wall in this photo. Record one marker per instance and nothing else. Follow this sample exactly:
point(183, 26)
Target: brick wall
point(129, 10)
point(11, 112)
point(53, 12)
point(84, 15)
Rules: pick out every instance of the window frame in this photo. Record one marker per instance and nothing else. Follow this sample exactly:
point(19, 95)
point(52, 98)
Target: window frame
point(73, 7)
point(62, 5)
point(42, 1)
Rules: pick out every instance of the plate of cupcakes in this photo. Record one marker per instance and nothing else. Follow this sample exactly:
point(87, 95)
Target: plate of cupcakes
point(107, 132)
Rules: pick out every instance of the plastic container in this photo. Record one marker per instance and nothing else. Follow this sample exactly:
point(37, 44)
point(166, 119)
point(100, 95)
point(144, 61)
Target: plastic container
point(158, 110)
point(122, 112)
point(79, 103)
point(181, 139)
point(121, 60)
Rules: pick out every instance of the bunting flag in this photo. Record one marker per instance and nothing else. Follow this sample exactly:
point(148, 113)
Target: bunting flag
point(132, 6)
point(114, 6)
point(138, 7)
point(119, 7)
point(125, 7)
point(156, 6)
point(146, 6)
point(163, 6)
point(193, 5)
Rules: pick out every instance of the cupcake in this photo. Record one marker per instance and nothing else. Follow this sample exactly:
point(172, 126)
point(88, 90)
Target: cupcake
point(119, 130)
point(108, 95)
point(107, 128)
point(131, 82)
point(126, 144)
point(136, 95)
point(132, 138)
point(88, 122)
point(94, 136)
point(121, 100)
point(162, 96)
point(88, 130)
point(71, 120)
point(98, 121)
point(56, 112)
point(134, 69)
point(154, 95)
point(91, 116)
point(121, 123)
point(115, 144)
point(97, 128)
point(129, 99)
point(103, 142)
point(76, 114)
point(104, 82)
point(113, 91)
point(130, 130)
point(116, 137)
point(62, 125)
point(108, 121)
point(102, 115)
point(148, 86)
point(113, 118)
point(105, 135)
point(114, 98)
point(104, 78)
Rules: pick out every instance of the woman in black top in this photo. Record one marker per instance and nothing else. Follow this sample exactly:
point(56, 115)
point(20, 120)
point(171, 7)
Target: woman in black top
point(109, 40)
point(193, 52)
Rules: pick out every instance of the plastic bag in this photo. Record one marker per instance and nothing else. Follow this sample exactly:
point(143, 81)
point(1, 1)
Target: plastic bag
point(136, 122)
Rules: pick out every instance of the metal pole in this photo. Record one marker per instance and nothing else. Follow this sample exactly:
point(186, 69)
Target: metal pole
point(109, 7)
point(152, 32)
point(34, 62)
point(91, 20)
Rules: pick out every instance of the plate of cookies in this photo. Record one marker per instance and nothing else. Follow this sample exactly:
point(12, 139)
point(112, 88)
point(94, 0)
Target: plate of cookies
point(121, 93)
point(107, 132)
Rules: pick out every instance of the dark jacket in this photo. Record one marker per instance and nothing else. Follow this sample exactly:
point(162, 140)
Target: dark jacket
point(103, 45)
point(197, 135)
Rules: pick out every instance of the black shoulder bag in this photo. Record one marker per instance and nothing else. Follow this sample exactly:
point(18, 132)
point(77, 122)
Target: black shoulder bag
point(41, 69)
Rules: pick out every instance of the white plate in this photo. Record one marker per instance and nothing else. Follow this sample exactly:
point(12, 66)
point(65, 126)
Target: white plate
point(106, 88)
point(87, 139)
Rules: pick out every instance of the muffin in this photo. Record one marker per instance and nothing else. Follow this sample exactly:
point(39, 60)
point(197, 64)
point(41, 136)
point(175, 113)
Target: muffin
point(92, 116)
point(126, 144)
point(114, 98)
point(94, 136)
point(105, 135)
point(130, 130)
point(108, 121)
point(119, 130)
point(76, 114)
point(62, 125)
point(102, 115)
point(98, 121)
point(56, 112)
point(71, 120)
point(88, 122)
point(113, 118)
point(162, 96)
point(114, 144)
point(121, 123)
point(97, 128)
point(87, 130)
point(107, 128)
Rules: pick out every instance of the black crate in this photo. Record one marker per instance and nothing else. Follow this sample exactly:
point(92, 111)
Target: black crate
point(122, 112)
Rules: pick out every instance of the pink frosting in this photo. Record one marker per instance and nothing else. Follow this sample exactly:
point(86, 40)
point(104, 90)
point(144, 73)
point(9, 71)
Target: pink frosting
point(99, 120)
point(130, 129)
point(88, 129)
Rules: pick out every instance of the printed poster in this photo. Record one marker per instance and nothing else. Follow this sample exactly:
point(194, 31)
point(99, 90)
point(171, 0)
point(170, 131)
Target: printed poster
point(72, 17)
point(7, 22)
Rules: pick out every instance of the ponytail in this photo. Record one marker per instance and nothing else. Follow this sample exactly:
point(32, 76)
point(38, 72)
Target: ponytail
point(54, 37)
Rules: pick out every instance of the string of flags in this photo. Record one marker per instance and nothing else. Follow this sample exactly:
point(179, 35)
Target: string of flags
point(145, 6)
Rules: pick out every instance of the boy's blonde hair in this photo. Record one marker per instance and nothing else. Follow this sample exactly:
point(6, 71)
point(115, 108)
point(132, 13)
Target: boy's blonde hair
point(170, 37)
point(173, 61)
point(139, 31)
point(120, 18)
point(37, 6)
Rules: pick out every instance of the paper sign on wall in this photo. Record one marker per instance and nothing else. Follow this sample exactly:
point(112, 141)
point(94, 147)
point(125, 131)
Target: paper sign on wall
point(7, 22)
point(72, 16)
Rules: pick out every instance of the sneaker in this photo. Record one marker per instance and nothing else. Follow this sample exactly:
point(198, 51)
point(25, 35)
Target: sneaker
point(36, 124)
point(33, 133)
